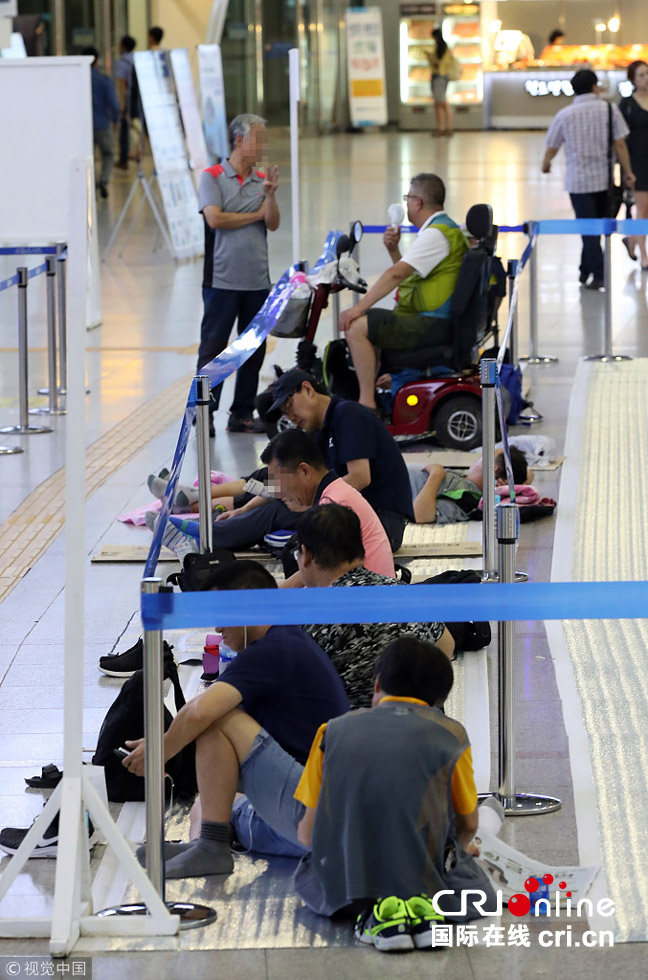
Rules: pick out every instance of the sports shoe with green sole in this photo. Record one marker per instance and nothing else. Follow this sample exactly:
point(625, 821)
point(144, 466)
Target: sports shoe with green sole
point(385, 926)
point(422, 919)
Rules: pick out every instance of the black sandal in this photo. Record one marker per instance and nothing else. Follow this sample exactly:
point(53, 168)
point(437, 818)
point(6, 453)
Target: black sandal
point(626, 242)
point(50, 777)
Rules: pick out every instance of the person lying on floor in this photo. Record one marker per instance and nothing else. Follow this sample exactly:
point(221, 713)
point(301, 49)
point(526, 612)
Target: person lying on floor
point(330, 552)
point(402, 827)
point(253, 729)
point(444, 497)
point(230, 495)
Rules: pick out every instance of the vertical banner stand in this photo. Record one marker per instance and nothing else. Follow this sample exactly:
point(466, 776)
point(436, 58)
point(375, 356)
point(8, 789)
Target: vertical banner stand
point(608, 356)
point(293, 64)
point(140, 181)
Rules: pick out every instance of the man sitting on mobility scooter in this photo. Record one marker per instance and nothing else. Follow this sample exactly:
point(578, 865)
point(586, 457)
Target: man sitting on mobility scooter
point(426, 277)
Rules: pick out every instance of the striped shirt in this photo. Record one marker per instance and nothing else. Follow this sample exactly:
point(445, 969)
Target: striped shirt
point(583, 129)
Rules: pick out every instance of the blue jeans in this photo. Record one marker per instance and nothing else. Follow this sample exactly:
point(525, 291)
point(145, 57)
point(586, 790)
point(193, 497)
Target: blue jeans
point(222, 308)
point(592, 205)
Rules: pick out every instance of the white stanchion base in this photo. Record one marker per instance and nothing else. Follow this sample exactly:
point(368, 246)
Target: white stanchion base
point(48, 411)
point(127, 919)
point(24, 430)
point(539, 358)
point(494, 576)
point(605, 358)
point(525, 804)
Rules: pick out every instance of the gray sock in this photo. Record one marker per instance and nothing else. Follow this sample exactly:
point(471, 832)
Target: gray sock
point(171, 848)
point(185, 497)
point(204, 857)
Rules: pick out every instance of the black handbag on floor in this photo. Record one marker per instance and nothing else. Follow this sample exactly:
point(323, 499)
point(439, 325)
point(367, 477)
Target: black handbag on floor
point(197, 570)
point(470, 635)
point(125, 720)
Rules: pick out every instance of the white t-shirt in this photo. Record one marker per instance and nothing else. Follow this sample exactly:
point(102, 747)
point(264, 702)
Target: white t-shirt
point(428, 249)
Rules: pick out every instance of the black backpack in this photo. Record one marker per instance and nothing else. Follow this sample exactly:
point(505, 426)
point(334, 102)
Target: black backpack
point(197, 569)
point(469, 635)
point(125, 720)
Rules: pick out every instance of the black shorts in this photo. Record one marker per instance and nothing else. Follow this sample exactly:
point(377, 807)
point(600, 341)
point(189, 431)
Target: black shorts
point(403, 331)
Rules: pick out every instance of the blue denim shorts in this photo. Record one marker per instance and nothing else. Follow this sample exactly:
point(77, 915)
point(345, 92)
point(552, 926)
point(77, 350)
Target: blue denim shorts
point(269, 776)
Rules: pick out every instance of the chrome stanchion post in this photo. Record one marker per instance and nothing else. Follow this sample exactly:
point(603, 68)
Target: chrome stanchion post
point(154, 757)
point(515, 804)
point(24, 428)
point(191, 914)
point(513, 341)
point(488, 375)
point(355, 255)
point(607, 354)
point(52, 385)
point(534, 357)
point(204, 467)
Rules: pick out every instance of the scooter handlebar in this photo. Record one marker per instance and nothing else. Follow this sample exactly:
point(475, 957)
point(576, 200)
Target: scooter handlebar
point(359, 287)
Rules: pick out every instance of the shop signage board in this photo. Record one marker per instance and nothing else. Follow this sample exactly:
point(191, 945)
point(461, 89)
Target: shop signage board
point(169, 153)
point(212, 92)
point(194, 135)
point(366, 66)
point(419, 9)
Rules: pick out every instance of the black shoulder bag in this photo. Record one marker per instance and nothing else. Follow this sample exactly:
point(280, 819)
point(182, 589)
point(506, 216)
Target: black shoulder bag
point(615, 191)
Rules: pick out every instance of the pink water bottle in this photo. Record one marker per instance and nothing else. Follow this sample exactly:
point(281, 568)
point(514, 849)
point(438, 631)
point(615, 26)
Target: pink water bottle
point(211, 658)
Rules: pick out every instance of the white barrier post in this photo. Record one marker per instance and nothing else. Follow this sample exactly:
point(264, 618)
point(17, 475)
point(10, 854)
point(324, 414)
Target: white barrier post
point(293, 64)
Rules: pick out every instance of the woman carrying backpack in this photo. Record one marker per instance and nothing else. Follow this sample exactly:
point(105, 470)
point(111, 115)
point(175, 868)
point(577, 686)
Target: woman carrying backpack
point(444, 69)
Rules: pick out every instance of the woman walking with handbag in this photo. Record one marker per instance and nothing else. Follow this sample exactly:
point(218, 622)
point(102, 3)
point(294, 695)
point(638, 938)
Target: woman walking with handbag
point(635, 112)
point(444, 69)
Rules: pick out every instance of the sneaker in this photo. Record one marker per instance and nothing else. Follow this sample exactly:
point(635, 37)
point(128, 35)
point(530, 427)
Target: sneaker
point(251, 425)
point(584, 276)
point(125, 664)
point(386, 926)
point(47, 847)
point(422, 918)
point(595, 284)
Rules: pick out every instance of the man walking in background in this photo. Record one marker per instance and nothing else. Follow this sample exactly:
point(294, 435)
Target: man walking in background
point(105, 116)
point(584, 130)
point(239, 206)
point(128, 93)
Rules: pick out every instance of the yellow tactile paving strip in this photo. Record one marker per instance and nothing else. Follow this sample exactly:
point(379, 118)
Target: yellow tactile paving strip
point(610, 657)
point(41, 515)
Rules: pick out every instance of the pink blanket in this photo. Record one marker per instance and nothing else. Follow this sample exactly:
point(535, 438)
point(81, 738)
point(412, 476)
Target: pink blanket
point(138, 516)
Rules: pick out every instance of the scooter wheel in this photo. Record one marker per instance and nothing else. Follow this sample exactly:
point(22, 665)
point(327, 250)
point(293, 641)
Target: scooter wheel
point(458, 423)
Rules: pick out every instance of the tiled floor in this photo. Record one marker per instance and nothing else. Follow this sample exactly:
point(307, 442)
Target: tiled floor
point(147, 344)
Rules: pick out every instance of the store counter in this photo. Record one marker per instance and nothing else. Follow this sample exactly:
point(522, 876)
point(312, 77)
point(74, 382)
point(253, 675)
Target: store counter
point(529, 99)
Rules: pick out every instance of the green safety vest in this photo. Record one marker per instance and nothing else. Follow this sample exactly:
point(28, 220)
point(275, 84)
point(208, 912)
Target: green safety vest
point(418, 295)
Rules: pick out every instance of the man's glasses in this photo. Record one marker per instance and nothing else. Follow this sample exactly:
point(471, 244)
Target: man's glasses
point(415, 196)
point(285, 408)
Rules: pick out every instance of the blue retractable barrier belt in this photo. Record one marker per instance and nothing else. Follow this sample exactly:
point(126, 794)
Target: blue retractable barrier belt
point(382, 604)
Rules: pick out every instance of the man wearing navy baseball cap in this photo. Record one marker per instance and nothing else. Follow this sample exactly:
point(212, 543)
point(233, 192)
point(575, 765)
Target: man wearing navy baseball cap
point(355, 444)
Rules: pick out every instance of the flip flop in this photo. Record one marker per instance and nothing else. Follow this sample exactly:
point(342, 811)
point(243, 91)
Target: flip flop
point(50, 777)
point(626, 242)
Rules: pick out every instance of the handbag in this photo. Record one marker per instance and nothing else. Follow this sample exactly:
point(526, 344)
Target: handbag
point(197, 570)
point(454, 69)
point(615, 191)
